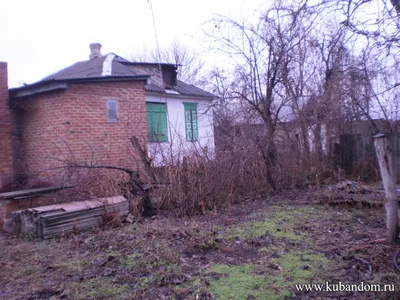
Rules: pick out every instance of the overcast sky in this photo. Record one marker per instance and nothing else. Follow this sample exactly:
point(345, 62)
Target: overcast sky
point(40, 37)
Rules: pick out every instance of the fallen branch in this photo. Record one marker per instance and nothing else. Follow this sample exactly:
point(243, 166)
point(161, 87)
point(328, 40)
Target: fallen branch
point(378, 241)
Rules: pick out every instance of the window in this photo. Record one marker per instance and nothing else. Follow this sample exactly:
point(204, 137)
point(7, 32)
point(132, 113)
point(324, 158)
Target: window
point(156, 116)
point(112, 110)
point(191, 125)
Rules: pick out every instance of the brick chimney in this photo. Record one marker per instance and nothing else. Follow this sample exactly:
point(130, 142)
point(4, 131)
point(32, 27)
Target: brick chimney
point(95, 50)
point(6, 158)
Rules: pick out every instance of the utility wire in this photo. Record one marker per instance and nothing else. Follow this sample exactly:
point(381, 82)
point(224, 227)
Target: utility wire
point(155, 33)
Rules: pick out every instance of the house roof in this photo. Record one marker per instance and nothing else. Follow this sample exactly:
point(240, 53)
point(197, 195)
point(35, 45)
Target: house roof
point(182, 89)
point(94, 68)
point(103, 68)
point(110, 67)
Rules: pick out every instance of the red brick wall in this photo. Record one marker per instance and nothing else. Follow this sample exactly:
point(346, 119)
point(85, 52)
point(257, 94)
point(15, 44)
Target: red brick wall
point(72, 125)
point(6, 160)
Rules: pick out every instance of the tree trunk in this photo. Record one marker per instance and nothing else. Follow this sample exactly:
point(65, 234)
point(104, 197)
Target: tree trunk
point(305, 137)
point(318, 142)
point(271, 157)
point(388, 174)
point(305, 145)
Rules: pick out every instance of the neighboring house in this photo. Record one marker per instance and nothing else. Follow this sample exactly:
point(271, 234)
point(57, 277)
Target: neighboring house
point(86, 114)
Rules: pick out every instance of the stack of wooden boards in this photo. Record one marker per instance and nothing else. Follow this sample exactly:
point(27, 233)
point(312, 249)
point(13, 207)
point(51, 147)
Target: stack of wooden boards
point(57, 220)
point(353, 193)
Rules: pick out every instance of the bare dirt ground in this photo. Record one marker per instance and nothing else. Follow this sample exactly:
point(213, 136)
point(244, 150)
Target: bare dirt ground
point(259, 249)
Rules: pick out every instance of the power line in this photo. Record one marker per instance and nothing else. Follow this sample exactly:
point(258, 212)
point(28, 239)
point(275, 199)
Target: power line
point(155, 32)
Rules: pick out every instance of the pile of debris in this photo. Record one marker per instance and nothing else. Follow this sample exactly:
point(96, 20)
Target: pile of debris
point(353, 193)
point(57, 220)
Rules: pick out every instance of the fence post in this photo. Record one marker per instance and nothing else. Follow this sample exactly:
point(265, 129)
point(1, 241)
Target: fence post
point(388, 174)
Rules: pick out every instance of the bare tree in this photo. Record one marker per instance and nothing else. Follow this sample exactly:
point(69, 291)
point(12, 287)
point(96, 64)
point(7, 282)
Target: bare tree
point(261, 53)
point(379, 33)
point(381, 24)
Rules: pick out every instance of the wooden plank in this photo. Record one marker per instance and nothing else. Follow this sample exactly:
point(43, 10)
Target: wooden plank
point(19, 195)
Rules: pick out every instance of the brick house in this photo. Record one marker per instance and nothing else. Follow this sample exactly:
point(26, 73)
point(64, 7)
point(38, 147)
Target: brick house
point(86, 113)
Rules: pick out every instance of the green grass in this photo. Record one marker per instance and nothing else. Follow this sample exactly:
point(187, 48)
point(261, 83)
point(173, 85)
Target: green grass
point(76, 265)
point(99, 288)
point(129, 260)
point(280, 223)
point(277, 274)
point(275, 280)
point(241, 283)
point(266, 227)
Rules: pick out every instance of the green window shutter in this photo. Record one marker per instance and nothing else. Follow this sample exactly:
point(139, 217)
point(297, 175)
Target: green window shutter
point(156, 118)
point(191, 122)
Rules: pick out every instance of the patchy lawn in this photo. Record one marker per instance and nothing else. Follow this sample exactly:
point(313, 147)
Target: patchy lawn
point(257, 250)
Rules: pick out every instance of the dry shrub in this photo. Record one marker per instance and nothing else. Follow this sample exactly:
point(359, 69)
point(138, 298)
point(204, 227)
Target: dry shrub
point(199, 183)
point(198, 180)
point(96, 183)
point(297, 169)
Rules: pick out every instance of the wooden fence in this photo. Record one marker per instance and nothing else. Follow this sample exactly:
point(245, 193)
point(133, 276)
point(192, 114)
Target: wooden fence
point(357, 157)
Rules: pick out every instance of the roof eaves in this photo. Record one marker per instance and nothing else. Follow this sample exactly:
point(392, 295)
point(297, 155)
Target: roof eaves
point(48, 85)
point(149, 63)
point(38, 88)
point(143, 77)
point(180, 95)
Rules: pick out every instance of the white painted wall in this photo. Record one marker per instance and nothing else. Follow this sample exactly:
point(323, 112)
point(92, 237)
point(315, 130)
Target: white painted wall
point(177, 146)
